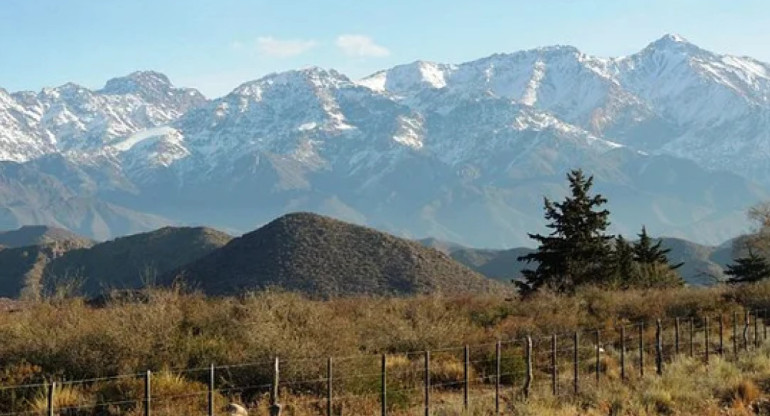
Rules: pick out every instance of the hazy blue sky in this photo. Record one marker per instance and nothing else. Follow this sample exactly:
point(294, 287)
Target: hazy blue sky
point(216, 45)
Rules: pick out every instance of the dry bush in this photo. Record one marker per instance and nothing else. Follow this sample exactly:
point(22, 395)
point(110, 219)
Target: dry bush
point(171, 328)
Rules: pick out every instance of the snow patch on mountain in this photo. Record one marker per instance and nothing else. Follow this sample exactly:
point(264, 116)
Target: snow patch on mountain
point(142, 135)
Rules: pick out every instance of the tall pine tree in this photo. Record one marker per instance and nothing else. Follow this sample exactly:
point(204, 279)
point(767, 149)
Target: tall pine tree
point(625, 265)
point(752, 268)
point(645, 252)
point(577, 251)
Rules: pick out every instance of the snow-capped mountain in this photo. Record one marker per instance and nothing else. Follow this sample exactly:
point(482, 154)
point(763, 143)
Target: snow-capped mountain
point(676, 136)
point(74, 118)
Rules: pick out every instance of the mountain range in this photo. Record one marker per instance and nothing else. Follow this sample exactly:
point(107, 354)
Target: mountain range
point(303, 252)
point(676, 137)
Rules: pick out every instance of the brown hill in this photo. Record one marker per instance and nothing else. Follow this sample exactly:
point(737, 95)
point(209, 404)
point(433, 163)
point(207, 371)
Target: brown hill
point(132, 261)
point(326, 257)
point(22, 268)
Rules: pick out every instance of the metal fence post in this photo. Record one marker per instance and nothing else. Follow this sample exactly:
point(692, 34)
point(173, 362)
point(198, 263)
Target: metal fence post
point(622, 352)
point(51, 398)
point(554, 382)
point(211, 389)
point(466, 376)
point(329, 385)
point(384, 387)
point(576, 364)
point(498, 353)
point(147, 392)
point(658, 347)
point(706, 336)
point(641, 349)
point(275, 407)
point(427, 383)
point(735, 333)
point(528, 361)
point(597, 364)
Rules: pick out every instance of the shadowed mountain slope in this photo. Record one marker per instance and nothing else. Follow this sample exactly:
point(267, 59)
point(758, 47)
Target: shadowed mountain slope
point(30, 235)
point(136, 260)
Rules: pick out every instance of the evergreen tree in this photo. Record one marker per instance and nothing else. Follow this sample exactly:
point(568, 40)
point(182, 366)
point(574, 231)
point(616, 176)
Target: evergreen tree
point(576, 251)
point(748, 269)
point(645, 252)
point(623, 259)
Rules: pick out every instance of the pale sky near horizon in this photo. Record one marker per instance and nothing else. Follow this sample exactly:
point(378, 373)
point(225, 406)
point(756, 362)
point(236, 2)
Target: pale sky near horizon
point(216, 45)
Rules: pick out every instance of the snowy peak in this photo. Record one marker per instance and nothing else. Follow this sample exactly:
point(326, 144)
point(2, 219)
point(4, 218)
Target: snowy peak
point(74, 118)
point(152, 86)
point(311, 80)
point(312, 76)
point(409, 77)
point(670, 40)
point(140, 81)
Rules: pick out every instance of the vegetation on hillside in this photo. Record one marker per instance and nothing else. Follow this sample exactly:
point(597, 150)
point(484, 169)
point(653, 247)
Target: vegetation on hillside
point(325, 257)
point(164, 329)
point(22, 268)
point(133, 261)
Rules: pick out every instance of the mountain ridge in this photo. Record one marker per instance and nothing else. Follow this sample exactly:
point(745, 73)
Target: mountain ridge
point(324, 257)
point(415, 149)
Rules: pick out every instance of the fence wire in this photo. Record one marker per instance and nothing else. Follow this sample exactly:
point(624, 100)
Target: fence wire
point(483, 374)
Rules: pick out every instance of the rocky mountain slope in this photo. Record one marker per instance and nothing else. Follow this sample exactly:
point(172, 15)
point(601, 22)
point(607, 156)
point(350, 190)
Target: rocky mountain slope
point(125, 263)
point(23, 269)
point(324, 257)
point(32, 235)
point(675, 135)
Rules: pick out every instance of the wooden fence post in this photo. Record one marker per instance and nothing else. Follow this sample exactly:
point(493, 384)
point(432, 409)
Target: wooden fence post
point(384, 387)
point(756, 329)
point(721, 335)
point(427, 383)
point(658, 347)
point(554, 382)
point(147, 392)
point(528, 362)
point(498, 353)
point(641, 349)
point(51, 398)
point(676, 336)
point(706, 336)
point(746, 318)
point(576, 364)
point(212, 386)
point(692, 337)
point(275, 407)
point(466, 377)
point(329, 385)
point(623, 352)
point(598, 357)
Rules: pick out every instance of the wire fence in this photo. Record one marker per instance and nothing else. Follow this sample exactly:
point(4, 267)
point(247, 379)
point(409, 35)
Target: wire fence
point(483, 377)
